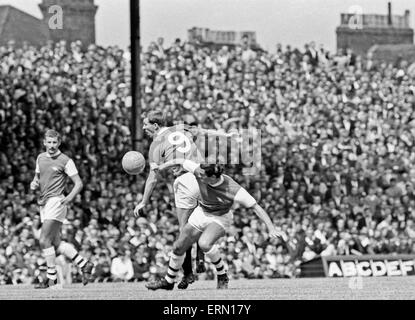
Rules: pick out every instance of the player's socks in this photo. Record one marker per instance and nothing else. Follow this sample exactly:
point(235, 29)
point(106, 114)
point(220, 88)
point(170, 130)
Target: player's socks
point(187, 263)
point(50, 257)
point(188, 276)
point(200, 260)
point(69, 250)
point(200, 256)
point(175, 264)
point(214, 256)
point(79, 260)
point(52, 274)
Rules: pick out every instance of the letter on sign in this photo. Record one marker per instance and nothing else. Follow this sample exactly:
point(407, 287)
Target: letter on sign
point(349, 268)
point(334, 270)
point(378, 268)
point(407, 266)
point(392, 267)
point(361, 271)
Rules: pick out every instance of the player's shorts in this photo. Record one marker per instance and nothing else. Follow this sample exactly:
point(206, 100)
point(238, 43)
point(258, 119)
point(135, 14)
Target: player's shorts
point(200, 220)
point(53, 209)
point(186, 191)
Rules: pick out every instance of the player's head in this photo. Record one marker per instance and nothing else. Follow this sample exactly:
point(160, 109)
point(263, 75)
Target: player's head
point(213, 172)
point(190, 120)
point(154, 121)
point(52, 141)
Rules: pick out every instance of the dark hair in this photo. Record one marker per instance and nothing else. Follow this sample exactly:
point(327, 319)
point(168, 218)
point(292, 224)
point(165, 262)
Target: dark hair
point(212, 169)
point(158, 117)
point(191, 122)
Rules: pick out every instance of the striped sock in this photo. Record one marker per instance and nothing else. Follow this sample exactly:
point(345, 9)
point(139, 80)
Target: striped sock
point(220, 266)
point(69, 251)
point(214, 255)
point(50, 257)
point(79, 260)
point(51, 273)
point(175, 264)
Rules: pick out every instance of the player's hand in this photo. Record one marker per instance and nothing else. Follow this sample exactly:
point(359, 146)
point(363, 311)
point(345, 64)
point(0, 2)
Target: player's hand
point(65, 201)
point(138, 209)
point(232, 134)
point(34, 185)
point(199, 173)
point(274, 233)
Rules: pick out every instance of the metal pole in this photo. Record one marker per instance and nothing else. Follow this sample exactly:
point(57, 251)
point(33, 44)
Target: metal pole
point(136, 126)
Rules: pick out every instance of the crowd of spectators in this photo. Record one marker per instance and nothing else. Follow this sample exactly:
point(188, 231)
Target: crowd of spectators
point(337, 138)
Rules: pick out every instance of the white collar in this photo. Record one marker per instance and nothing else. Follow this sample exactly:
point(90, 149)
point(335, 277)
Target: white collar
point(218, 183)
point(56, 154)
point(161, 131)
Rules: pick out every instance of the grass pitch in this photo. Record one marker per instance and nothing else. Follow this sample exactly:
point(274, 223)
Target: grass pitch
point(381, 288)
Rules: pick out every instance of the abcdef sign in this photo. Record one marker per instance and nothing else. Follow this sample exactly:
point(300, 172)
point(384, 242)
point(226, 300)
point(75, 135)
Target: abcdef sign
point(369, 266)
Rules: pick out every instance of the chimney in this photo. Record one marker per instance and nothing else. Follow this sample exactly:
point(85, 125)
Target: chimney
point(389, 14)
point(407, 18)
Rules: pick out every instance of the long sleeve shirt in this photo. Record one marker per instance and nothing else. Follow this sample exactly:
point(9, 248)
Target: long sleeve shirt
point(122, 268)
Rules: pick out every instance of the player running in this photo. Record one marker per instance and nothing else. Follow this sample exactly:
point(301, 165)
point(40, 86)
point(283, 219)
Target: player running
point(52, 169)
point(210, 220)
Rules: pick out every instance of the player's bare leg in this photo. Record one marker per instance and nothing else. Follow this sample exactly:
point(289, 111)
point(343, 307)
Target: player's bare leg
point(188, 276)
point(187, 237)
point(207, 241)
point(68, 250)
point(48, 234)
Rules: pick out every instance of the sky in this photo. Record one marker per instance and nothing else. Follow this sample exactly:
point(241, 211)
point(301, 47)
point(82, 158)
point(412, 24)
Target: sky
point(293, 22)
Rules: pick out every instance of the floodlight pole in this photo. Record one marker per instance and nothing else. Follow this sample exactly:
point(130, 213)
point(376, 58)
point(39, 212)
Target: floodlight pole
point(136, 126)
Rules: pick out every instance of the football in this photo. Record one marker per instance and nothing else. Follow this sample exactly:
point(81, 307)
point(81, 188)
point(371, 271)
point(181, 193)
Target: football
point(133, 162)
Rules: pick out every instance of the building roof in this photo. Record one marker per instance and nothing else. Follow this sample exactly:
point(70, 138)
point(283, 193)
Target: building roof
point(4, 12)
point(20, 26)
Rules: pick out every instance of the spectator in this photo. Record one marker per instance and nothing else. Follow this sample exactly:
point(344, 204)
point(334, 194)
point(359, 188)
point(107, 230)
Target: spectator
point(122, 267)
point(103, 268)
point(337, 142)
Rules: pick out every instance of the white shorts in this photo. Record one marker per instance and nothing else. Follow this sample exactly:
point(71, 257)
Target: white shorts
point(186, 191)
point(200, 220)
point(53, 210)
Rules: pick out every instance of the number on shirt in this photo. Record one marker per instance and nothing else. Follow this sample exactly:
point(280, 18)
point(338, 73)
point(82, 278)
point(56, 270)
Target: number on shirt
point(176, 138)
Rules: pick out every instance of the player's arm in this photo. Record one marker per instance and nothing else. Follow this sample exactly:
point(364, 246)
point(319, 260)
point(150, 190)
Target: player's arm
point(151, 183)
point(210, 132)
point(274, 233)
point(155, 157)
point(187, 165)
point(243, 198)
point(72, 172)
point(35, 182)
point(78, 185)
point(170, 163)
